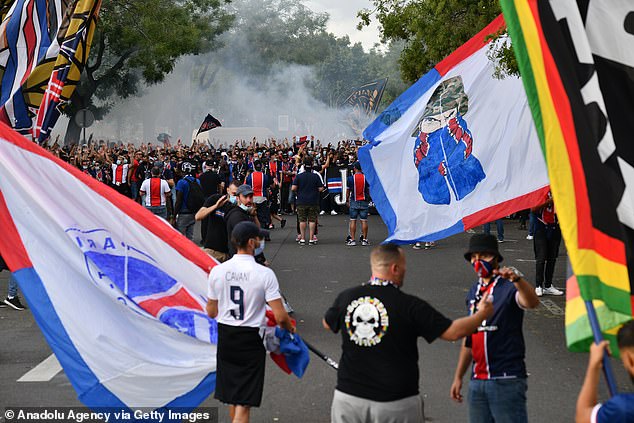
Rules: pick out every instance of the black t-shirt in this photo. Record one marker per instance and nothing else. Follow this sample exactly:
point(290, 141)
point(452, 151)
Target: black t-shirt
point(214, 226)
point(308, 184)
point(209, 182)
point(380, 326)
point(234, 216)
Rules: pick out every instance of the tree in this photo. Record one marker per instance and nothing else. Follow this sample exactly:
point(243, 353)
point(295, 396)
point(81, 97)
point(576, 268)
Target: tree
point(139, 41)
point(432, 29)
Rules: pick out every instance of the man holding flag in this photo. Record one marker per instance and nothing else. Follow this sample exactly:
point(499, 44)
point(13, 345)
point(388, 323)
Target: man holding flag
point(239, 290)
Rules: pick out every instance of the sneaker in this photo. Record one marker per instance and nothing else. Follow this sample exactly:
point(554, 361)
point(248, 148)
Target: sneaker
point(14, 303)
point(298, 238)
point(551, 290)
point(314, 239)
point(529, 237)
point(418, 246)
point(470, 231)
point(351, 242)
point(321, 213)
point(500, 241)
point(302, 241)
point(283, 223)
point(348, 238)
point(312, 242)
point(428, 245)
point(333, 213)
point(365, 242)
point(539, 291)
point(271, 226)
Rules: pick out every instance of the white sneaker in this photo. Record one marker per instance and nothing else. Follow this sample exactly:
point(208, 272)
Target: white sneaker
point(539, 291)
point(529, 237)
point(321, 213)
point(333, 213)
point(551, 290)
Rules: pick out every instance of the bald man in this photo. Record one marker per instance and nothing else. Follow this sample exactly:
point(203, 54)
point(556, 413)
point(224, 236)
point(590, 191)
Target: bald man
point(378, 373)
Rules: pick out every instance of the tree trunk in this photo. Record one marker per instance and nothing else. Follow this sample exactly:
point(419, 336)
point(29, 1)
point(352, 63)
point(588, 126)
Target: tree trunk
point(73, 132)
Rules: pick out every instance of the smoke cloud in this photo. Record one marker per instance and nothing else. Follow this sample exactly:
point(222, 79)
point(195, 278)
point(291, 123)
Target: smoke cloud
point(280, 99)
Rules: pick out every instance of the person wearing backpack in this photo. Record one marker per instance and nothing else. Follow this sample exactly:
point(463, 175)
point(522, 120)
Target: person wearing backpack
point(189, 199)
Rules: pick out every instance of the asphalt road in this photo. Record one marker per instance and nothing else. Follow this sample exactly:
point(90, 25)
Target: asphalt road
point(310, 278)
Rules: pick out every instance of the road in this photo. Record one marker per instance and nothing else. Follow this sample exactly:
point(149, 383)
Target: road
point(311, 277)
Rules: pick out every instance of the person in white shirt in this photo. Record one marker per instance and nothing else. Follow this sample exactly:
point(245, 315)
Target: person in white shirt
point(158, 196)
point(239, 290)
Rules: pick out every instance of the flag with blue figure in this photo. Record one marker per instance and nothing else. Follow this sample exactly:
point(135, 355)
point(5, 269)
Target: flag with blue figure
point(119, 295)
point(456, 150)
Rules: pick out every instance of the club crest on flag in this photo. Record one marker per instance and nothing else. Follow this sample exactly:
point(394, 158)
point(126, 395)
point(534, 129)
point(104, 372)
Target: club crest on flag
point(444, 145)
point(134, 278)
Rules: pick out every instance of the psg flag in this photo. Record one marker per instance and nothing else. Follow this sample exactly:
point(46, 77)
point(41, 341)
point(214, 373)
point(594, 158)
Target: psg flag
point(210, 122)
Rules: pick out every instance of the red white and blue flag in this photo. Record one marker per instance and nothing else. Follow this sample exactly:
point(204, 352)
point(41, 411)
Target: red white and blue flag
point(119, 295)
point(457, 149)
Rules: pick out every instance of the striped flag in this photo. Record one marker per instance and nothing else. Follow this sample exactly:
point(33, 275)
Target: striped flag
point(43, 50)
point(118, 294)
point(456, 150)
point(577, 62)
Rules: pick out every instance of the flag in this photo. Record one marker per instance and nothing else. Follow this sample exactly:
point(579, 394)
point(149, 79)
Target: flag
point(454, 151)
point(118, 294)
point(577, 63)
point(44, 50)
point(363, 103)
point(287, 350)
point(165, 139)
point(210, 122)
point(301, 141)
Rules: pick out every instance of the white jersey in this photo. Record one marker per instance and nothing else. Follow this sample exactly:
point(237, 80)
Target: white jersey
point(242, 288)
point(155, 190)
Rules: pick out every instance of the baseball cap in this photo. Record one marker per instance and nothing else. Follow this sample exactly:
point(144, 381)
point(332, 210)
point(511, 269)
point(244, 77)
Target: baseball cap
point(244, 190)
point(483, 243)
point(244, 231)
point(357, 165)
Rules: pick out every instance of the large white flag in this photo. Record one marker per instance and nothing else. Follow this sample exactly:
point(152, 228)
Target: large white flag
point(119, 295)
point(456, 150)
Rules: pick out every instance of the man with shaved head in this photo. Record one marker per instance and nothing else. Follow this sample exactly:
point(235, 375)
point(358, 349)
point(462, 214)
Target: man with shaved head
point(378, 373)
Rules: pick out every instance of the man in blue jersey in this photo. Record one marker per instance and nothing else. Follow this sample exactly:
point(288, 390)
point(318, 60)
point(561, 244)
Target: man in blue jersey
point(619, 408)
point(497, 390)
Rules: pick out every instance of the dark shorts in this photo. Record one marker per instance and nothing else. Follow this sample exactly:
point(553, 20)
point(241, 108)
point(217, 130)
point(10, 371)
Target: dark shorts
point(307, 213)
point(240, 366)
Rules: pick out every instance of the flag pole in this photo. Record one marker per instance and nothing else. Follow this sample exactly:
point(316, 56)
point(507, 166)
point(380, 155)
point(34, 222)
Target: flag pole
point(332, 363)
point(596, 331)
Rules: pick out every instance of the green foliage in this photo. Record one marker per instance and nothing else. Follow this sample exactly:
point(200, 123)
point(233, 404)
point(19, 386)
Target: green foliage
point(140, 40)
point(432, 29)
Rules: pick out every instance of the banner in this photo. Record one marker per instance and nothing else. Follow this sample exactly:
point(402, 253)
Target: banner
point(119, 295)
point(45, 46)
point(210, 122)
point(454, 151)
point(364, 102)
point(577, 60)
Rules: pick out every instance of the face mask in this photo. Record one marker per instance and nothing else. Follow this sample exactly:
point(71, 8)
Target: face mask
point(245, 207)
point(483, 268)
point(118, 162)
point(233, 199)
point(260, 249)
point(85, 167)
point(125, 161)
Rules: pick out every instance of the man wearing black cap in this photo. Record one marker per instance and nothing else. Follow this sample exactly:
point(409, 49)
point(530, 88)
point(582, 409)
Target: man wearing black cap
point(497, 390)
point(244, 212)
point(239, 290)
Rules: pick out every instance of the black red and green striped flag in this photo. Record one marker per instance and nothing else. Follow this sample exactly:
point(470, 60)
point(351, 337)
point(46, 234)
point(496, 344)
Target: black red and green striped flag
point(577, 63)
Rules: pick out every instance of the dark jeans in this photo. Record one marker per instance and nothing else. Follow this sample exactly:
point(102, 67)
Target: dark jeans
point(546, 244)
point(264, 214)
point(498, 401)
point(285, 205)
point(500, 229)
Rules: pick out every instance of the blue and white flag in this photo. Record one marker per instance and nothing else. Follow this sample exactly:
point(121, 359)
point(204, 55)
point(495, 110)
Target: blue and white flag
point(456, 150)
point(119, 295)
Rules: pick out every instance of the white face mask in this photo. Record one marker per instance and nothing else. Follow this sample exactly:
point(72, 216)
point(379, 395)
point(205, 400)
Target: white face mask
point(259, 250)
point(118, 162)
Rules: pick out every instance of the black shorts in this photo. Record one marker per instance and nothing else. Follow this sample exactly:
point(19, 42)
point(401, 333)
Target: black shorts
point(240, 366)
